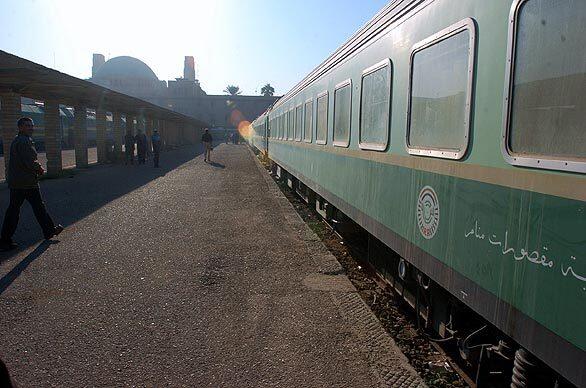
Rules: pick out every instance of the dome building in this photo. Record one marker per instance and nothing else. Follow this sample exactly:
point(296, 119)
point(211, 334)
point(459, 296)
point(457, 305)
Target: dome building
point(133, 77)
point(130, 76)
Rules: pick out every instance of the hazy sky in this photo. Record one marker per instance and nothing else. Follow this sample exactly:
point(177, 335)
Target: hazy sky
point(246, 43)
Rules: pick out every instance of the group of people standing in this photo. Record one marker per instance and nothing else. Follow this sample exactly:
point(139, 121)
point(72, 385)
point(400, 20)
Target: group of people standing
point(142, 147)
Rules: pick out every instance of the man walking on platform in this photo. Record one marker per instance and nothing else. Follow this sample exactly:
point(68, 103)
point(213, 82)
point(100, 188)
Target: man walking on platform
point(206, 139)
point(23, 175)
point(156, 141)
point(129, 147)
point(141, 147)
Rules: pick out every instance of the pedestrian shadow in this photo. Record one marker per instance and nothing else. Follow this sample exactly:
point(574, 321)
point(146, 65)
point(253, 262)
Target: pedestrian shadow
point(217, 165)
point(15, 272)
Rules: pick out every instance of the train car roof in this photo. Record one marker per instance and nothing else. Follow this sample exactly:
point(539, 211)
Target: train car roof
point(393, 11)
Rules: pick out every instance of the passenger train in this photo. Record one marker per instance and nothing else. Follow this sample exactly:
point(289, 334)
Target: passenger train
point(453, 131)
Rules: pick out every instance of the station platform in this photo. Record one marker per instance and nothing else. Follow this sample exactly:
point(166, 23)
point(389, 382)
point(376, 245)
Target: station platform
point(193, 274)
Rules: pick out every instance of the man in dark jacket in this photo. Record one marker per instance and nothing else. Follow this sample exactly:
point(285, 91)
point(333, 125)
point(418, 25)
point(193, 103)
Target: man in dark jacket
point(23, 175)
point(206, 139)
point(129, 147)
point(157, 145)
point(141, 147)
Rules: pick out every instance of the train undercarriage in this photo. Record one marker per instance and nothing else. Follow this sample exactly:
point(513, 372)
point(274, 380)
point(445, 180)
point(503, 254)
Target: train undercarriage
point(480, 352)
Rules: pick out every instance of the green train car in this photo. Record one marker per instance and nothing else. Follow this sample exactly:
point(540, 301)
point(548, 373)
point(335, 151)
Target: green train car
point(454, 131)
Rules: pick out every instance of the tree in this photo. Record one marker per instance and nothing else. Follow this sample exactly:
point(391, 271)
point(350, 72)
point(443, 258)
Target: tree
point(267, 90)
point(232, 90)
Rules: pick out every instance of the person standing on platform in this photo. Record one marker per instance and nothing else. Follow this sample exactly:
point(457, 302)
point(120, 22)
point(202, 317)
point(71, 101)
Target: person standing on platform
point(129, 147)
point(207, 139)
point(23, 175)
point(156, 141)
point(141, 147)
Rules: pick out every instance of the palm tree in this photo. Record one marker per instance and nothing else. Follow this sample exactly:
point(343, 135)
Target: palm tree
point(232, 90)
point(267, 90)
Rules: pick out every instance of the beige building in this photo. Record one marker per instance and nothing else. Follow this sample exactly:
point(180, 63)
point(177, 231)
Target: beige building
point(131, 76)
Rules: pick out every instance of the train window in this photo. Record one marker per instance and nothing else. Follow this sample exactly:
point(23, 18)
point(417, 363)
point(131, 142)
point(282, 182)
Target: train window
point(441, 92)
point(375, 98)
point(545, 109)
point(291, 126)
point(281, 126)
point(342, 113)
point(285, 125)
point(321, 120)
point(308, 126)
point(298, 122)
point(288, 129)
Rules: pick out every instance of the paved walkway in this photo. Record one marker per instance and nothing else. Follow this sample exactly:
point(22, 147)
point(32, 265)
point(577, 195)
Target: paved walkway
point(67, 157)
point(189, 275)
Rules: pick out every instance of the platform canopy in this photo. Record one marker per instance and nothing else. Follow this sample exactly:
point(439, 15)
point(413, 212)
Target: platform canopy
point(32, 80)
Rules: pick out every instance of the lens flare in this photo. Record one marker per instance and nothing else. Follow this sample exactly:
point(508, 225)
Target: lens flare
point(245, 129)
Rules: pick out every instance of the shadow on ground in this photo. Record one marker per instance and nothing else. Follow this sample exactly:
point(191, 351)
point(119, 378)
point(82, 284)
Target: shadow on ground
point(72, 199)
point(216, 165)
point(7, 279)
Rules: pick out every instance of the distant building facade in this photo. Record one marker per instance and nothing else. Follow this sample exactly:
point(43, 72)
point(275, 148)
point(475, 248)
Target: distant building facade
point(131, 76)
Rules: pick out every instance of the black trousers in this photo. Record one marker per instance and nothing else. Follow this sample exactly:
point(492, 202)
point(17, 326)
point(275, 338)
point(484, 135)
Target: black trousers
point(156, 158)
point(141, 155)
point(129, 155)
point(17, 197)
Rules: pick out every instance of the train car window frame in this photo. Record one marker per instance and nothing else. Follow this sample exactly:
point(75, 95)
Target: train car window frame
point(466, 24)
point(323, 94)
point(284, 125)
point(346, 143)
point(374, 68)
point(299, 123)
point(274, 131)
point(305, 129)
point(525, 160)
point(291, 124)
point(284, 136)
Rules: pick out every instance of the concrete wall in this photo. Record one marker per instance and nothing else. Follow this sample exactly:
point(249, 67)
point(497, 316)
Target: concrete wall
point(220, 110)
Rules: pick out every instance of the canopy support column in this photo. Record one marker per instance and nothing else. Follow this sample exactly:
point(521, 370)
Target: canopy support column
point(101, 135)
point(80, 137)
point(53, 135)
point(11, 112)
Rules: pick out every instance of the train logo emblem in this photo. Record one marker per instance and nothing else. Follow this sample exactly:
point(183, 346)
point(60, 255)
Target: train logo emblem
point(428, 212)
